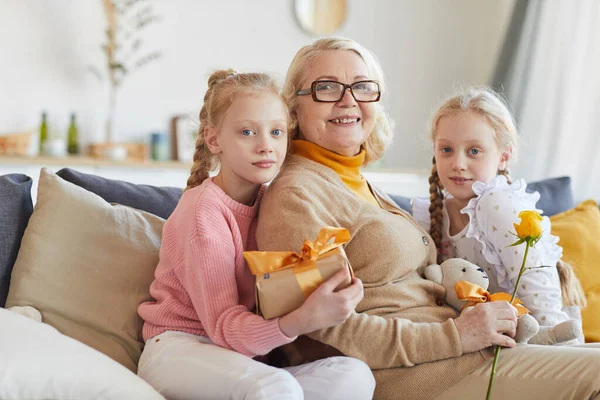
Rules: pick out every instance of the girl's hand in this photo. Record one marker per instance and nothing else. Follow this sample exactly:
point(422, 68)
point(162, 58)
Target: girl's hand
point(487, 324)
point(325, 307)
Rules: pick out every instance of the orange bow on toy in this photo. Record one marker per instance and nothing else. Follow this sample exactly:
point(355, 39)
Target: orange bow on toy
point(475, 294)
point(304, 264)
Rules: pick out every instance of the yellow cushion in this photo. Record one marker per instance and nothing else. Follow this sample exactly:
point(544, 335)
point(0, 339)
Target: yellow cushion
point(579, 233)
point(86, 265)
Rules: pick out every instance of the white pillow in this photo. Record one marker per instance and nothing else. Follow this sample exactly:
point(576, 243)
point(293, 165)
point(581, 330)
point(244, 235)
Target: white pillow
point(38, 362)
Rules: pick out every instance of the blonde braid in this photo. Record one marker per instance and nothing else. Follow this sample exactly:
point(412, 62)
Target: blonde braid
point(204, 160)
point(436, 197)
point(506, 174)
point(202, 156)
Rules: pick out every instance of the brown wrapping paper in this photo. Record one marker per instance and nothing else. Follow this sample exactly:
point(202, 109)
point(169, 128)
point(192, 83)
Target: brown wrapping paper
point(278, 293)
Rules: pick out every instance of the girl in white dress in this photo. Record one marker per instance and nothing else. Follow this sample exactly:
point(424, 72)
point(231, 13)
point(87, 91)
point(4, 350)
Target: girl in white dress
point(473, 205)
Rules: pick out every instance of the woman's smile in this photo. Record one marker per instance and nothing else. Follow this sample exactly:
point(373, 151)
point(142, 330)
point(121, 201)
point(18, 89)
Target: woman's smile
point(345, 121)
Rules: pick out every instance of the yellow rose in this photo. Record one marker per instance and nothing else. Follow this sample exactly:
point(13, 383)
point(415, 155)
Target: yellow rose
point(530, 226)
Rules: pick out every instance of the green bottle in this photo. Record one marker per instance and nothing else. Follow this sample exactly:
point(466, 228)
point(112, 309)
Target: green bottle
point(72, 137)
point(43, 132)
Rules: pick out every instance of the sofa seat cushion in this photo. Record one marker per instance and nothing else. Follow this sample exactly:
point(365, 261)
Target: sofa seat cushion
point(159, 201)
point(38, 362)
point(15, 209)
point(86, 265)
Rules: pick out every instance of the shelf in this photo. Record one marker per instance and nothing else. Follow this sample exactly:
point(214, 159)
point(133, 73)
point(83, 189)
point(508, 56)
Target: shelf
point(92, 162)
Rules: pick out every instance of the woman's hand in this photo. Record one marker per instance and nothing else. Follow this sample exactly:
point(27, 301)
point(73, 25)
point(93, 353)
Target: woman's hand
point(325, 307)
point(487, 324)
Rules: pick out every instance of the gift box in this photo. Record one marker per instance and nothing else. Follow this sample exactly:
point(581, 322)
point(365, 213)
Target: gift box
point(284, 279)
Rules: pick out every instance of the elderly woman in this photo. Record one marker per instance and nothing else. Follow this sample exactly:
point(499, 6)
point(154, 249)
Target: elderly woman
point(417, 346)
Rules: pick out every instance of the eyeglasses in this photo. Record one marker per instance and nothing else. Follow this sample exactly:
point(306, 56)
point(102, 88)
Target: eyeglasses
point(332, 91)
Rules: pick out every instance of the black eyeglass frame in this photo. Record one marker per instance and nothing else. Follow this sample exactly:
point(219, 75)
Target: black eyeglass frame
point(303, 92)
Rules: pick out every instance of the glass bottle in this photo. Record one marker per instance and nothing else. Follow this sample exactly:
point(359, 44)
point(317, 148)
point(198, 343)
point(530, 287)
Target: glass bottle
point(73, 137)
point(43, 131)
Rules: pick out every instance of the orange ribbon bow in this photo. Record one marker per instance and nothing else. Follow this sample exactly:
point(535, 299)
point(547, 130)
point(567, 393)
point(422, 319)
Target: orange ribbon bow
point(475, 294)
point(305, 269)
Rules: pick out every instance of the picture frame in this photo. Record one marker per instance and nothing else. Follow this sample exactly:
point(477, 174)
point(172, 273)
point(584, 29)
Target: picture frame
point(184, 131)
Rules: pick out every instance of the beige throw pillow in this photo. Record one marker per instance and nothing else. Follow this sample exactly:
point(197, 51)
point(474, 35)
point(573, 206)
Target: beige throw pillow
point(86, 265)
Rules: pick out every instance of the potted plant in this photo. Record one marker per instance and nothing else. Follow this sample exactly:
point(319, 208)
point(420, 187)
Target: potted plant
point(125, 20)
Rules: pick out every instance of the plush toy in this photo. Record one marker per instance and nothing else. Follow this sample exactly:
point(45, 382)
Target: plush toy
point(455, 270)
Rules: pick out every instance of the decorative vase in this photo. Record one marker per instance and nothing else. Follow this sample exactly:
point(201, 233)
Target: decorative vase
point(110, 117)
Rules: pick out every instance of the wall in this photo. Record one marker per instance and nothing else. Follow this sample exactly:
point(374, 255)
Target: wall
point(426, 47)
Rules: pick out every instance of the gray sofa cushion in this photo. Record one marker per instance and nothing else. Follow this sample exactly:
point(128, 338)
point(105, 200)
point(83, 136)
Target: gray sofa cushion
point(16, 207)
point(556, 194)
point(402, 201)
point(159, 201)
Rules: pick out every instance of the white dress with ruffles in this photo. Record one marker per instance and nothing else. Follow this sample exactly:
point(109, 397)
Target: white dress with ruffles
point(485, 242)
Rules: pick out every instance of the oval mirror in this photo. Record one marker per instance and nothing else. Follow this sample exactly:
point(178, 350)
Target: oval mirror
point(320, 17)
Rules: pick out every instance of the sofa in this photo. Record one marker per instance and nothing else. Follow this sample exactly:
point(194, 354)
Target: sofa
point(74, 268)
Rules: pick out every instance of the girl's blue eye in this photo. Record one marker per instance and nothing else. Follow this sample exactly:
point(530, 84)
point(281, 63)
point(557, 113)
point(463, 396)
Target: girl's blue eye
point(445, 149)
point(246, 132)
point(474, 151)
point(276, 132)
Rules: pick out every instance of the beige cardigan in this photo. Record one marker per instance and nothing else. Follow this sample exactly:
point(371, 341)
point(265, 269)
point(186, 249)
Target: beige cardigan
point(402, 328)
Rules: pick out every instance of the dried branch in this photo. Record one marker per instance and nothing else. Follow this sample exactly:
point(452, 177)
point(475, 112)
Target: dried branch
point(123, 40)
point(124, 6)
point(148, 58)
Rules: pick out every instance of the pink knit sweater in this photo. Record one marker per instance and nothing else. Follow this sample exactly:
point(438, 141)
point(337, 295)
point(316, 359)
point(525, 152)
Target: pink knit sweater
point(202, 284)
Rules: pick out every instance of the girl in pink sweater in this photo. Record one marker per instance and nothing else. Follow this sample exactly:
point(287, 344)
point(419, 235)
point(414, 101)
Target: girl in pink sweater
point(201, 334)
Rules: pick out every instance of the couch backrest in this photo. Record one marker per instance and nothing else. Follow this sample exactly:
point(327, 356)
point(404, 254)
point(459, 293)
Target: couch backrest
point(15, 209)
point(159, 201)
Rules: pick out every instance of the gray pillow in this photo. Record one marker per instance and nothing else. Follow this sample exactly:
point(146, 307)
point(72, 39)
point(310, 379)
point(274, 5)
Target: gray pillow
point(16, 207)
point(159, 201)
point(402, 201)
point(556, 194)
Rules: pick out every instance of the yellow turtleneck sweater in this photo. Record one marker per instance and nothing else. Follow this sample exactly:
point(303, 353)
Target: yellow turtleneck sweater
point(348, 168)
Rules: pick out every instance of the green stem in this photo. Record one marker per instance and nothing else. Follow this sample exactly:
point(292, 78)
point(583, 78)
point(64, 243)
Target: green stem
point(498, 348)
point(493, 374)
point(521, 271)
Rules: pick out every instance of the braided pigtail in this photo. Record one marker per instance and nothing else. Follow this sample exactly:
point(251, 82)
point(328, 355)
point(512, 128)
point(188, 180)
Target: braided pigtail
point(506, 174)
point(436, 197)
point(204, 160)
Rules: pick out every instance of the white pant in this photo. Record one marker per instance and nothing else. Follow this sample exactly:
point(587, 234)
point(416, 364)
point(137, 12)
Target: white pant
point(184, 366)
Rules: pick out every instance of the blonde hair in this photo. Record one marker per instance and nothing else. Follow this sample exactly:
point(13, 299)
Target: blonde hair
point(223, 85)
point(571, 291)
point(382, 133)
point(494, 109)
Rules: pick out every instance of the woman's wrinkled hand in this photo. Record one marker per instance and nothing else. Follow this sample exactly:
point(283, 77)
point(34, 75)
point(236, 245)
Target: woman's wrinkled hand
point(487, 324)
point(325, 307)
